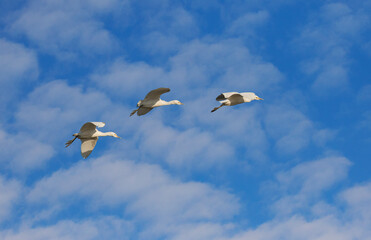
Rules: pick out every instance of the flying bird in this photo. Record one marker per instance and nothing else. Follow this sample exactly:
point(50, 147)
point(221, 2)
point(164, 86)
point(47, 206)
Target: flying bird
point(234, 98)
point(88, 135)
point(153, 100)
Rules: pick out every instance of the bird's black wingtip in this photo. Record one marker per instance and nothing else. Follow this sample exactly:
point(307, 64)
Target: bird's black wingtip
point(220, 97)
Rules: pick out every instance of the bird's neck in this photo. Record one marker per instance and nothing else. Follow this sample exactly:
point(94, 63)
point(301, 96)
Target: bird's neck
point(103, 134)
point(163, 103)
point(170, 102)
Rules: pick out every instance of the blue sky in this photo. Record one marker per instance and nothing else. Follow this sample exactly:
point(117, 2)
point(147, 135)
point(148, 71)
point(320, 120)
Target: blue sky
point(294, 166)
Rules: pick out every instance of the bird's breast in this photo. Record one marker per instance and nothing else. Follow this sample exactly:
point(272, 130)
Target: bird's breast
point(87, 134)
point(150, 104)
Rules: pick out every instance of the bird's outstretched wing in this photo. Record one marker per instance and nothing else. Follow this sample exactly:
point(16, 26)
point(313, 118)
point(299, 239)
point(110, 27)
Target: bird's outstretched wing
point(224, 96)
point(155, 94)
point(143, 110)
point(91, 126)
point(236, 98)
point(87, 146)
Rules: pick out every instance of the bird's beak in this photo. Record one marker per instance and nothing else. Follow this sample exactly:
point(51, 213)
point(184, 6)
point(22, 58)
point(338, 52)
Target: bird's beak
point(260, 98)
point(181, 104)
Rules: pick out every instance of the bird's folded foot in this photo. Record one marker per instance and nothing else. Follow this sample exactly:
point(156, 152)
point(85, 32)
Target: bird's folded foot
point(133, 112)
point(68, 143)
point(216, 109)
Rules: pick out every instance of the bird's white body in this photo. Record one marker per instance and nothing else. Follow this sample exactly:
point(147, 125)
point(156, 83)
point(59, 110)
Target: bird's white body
point(89, 135)
point(153, 100)
point(95, 134)
point(161, 102)
point(234, 98)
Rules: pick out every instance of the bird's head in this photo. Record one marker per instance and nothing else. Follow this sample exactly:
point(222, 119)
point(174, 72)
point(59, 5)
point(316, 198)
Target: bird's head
point(116, 136)
point(177, 102)
point(258, 98)
point(113, 134)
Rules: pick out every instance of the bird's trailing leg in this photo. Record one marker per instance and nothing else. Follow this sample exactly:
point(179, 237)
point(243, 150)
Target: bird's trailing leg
point(218, 107)
point(133, 112)
point(71, 141)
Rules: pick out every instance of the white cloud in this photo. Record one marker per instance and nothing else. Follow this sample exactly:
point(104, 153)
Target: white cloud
point(297, 227)
point(17, 62)
point(321, 137)
point(54, 111)
point(180, 210)
point(127, 80)
point(91, 229)
point(189, 149)
point(148, 194)
point(60, 109)
point(161, 205)
point(358, 199)
point(230, 67)
point(64, 28)
point(177, 20)
point(18, 67)
point(10, 194)
point(316, 175)
point(347, 219)
point(304, 183)
point(162, 26)
point(200, 231)
point(228, 64)
point(329, 37)
point(291, 128)
point(349, 222)
point(21, 152)
point(246, 24)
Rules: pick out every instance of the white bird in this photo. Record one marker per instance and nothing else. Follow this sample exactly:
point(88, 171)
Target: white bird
point(153, 100)
point(88, 135)
point(234, 98)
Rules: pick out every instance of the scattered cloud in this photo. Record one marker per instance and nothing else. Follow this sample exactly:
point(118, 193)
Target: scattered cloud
point(21, 152)
point(10, 194)
point(18, 68)
point(57, 107)
point(328, 39)
point(147, 195)
point(179, 172)
point(247, 24)
point(65, 29)
point(98, 228)
point(358, 199)
point(304, 183)
point(291, 128)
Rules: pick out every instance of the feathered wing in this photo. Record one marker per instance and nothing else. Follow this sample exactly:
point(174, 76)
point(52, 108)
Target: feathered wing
point(87, 146)
point(143, 110)
point(155, 94)
point(236, 99)
point(224, 96)
point(91, 126)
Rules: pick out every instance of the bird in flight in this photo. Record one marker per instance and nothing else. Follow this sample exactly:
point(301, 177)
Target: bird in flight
point(153, 100)
point(234, 98)
point(88, 135)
